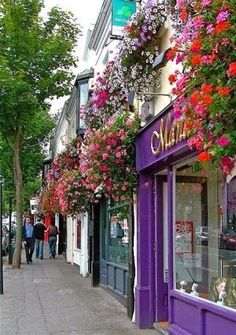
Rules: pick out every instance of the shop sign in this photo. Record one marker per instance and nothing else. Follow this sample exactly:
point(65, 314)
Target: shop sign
point(169, 133)
point(122, 10)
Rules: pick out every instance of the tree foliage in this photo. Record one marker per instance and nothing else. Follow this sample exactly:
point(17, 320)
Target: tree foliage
point(36, 58)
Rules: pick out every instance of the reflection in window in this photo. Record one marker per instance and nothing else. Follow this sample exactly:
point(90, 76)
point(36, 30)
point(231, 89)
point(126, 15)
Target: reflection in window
point(205, 234)
point(118, 234)
point(78, 234)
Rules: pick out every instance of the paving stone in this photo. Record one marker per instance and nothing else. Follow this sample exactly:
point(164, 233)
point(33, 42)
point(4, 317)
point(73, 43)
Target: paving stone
point(49, 297)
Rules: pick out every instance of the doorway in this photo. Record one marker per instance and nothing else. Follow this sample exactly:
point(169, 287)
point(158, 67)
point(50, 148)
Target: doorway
point(161, 250)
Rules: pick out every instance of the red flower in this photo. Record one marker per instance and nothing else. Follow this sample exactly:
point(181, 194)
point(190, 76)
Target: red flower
point(128, 28)
point(196, 60)
point(232, 70)
point(183, 15)
point(188, 125)
point(171, 54)
point(204, 156)
point(223, 91)
point(222, 26)
point(195, 97)
point(207, 88)
point(196, 46)
point(207, 100)
point(172, 78)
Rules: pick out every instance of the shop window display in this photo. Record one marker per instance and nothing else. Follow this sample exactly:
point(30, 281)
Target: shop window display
point(205, 233)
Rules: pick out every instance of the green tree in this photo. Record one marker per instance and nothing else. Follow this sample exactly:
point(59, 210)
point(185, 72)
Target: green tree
point(36, 57)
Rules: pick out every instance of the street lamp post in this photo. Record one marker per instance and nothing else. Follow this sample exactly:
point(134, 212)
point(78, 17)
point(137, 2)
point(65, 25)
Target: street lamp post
point(10, 234)
point(1, 261)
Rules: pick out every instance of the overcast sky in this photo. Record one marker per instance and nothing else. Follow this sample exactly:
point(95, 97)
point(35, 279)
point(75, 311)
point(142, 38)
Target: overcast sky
point(86, 11)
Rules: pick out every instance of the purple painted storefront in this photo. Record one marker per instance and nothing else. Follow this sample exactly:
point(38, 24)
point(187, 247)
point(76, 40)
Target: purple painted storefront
point(160, 147)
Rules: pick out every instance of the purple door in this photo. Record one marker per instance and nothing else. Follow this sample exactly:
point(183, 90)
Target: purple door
point(161, 248)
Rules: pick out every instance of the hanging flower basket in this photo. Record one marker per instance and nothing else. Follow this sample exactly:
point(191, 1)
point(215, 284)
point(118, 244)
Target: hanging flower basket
point(206, 88)
point(107, 161)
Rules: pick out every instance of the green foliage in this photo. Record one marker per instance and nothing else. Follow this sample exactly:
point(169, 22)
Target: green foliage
point(36, 57)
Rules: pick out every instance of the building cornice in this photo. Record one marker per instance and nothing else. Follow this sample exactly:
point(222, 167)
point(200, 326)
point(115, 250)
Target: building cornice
point(98, 31)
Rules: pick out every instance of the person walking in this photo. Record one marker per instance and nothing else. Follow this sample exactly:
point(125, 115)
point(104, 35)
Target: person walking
point(28, 239)
point(39, 229)
point(52, 239)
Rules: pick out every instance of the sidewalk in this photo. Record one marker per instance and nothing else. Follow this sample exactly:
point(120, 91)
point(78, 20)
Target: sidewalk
point(49, 297)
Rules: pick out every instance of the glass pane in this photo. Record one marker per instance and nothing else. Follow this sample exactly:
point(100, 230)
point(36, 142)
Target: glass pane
point(78, 234)
point(205, 234)
point(118, 236)
point(83, 99)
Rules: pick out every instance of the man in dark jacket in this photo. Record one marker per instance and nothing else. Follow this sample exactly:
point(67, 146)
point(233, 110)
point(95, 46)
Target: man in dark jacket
point(39, 229)
point(28, 239)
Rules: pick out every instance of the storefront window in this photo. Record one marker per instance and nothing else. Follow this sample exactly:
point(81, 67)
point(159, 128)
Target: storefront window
point(205, 234)
point(117, 234)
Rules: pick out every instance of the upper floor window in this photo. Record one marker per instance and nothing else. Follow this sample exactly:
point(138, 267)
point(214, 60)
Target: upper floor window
point(82, 85)
point(83, 98)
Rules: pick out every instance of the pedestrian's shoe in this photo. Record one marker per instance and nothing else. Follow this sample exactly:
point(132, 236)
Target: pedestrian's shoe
point(50, 256)
point(41, 257)
point(28, 262)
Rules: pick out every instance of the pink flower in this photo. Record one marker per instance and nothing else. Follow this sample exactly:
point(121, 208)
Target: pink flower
point(227, 164)
point(113, 142)
point(104, 168)
point(210, 28)
point(97, 147)
point(129, 122)
point(223, 141)
point(206, 2)
point(200, 110)
point(108, 184)
point(180, 57)
point(177, 114)
point(105, 156)
point(84, 167)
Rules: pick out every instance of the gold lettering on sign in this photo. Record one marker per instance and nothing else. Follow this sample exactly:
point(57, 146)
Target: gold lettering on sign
point(169, 134)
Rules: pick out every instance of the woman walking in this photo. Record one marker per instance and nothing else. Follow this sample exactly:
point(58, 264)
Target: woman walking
point(52, 239)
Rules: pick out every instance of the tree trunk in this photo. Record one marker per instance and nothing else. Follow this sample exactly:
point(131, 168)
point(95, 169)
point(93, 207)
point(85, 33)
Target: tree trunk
point(16, 262)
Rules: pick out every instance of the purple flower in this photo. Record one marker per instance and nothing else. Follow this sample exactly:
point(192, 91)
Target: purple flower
point(222, 16)
point(142, 35)
point(177, 114)
point(144, 28)
point(198, 23)
point(137, 43)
